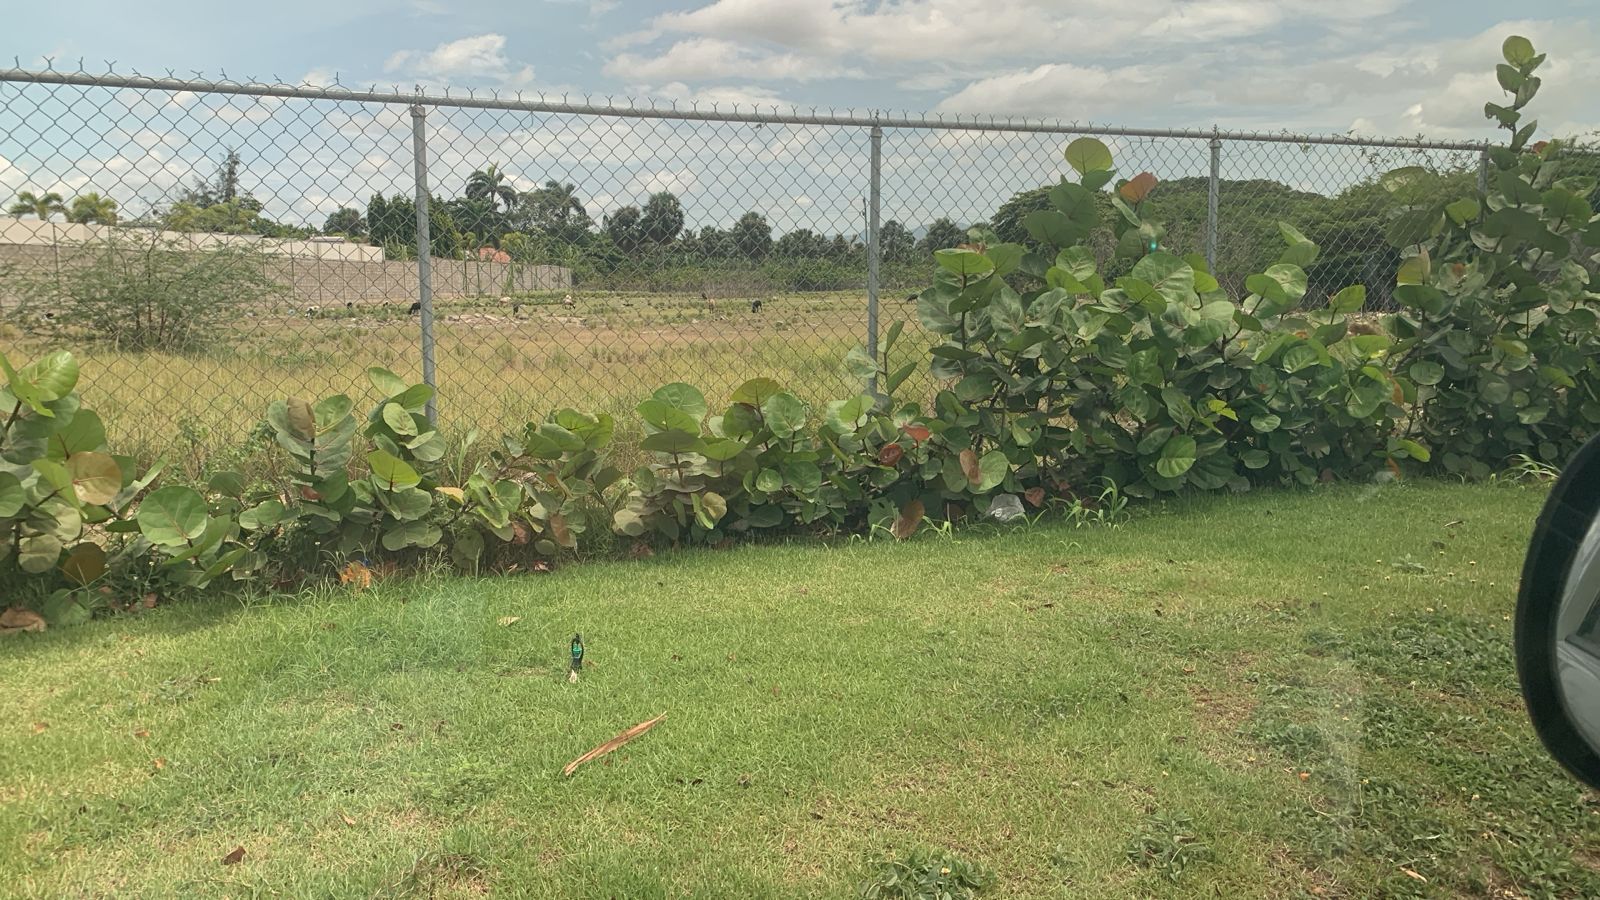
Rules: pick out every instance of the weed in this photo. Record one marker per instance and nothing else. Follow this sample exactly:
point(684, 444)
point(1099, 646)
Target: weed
point(924, 875)
point(1168, 846)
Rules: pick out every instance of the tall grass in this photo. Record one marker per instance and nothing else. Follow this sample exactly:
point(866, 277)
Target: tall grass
point(496, 368)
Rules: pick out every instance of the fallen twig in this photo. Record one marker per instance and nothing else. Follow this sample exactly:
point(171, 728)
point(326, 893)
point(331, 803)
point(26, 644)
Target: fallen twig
point(613, 744)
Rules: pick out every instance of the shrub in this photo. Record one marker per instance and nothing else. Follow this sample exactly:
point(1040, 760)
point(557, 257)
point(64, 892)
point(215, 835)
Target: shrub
point(146, 292)
point(1498, 325)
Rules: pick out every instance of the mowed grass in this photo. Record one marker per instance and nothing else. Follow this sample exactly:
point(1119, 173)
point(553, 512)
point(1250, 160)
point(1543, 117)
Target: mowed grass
point(497, 369)
point(1246, 690)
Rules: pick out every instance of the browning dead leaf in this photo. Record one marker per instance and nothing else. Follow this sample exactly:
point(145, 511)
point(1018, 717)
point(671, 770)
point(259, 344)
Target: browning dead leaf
point(889, 454)
point(613, 744)
point(40, 727)
point(16, 620)
point(969, 466)
point(561, 532)
point(508, 621)
point(910, 518)
point(1135, 189)
point(640, 550)
point(918, 433)
point(302, 421)
point(149, 600)
point(454, 493)
point(348, 819)
point(1034, 496)
point(142, 733)
point(520, 533)
point(159, 763)
point(234, 857)
point(357, 574)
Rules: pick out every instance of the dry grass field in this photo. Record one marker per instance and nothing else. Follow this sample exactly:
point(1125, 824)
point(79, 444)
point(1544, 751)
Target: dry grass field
point(498, 366)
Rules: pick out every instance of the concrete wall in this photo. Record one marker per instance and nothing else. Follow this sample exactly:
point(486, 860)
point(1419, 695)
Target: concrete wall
point(34, 233)
point(322, 282)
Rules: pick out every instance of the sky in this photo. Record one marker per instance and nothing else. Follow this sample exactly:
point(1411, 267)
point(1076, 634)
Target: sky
point(1376, 67)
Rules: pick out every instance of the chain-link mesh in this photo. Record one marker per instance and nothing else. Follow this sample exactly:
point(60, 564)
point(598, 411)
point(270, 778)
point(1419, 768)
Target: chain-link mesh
point(207, 247)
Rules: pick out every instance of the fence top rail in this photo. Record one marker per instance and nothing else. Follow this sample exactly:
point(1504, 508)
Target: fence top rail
point(663, 109)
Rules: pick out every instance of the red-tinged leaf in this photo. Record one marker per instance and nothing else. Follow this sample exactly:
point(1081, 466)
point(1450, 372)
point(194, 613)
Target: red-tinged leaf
point(1393, 466)
point(562, 533)
point(356, 573)
point(918, 433)
point(1135, 189)
point(910, 518)
point(159, 763)
point(40, 727)
point(234, 857)
point(889, 454)
point(348, 819)
point(309, 493)
point(519, 532)
point(970, 467)
point(1034, 496)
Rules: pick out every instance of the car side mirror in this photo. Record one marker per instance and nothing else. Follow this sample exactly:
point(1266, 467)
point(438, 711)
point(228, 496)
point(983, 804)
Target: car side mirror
point(1558, 619)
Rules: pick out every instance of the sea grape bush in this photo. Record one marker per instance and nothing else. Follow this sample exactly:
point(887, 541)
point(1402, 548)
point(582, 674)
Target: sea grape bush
point(1062, 386)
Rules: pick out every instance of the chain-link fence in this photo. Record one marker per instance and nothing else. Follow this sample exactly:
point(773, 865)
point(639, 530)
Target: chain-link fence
point(207, 247)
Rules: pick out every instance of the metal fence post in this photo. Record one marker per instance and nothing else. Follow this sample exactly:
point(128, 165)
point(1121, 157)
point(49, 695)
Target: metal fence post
point(1483, 172)
point(1211, 202)
point(419, 152)
point(874, 201)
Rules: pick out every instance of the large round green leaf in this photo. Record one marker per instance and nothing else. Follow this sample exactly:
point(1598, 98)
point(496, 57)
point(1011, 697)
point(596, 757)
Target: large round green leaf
point(387, 382)
point(1517, 50)
point(38, 553)
point(96, 477)
point(963, 262)
point(785, 414)
point(1177, 456)
point(390, 472)
point(673, 440)
point(399, 420)
point(53, 377)
point(84, 431)
point(265, 514)
point(12, 496)
point(1087, 154)
point(172, 516)
point(683, 396)
point(1426, 372)
point(664, 416)
point(756, 391)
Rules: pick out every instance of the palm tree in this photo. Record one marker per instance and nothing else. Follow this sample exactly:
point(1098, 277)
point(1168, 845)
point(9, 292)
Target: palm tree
point(490, 184)
point(91, 208)
point(42, 205)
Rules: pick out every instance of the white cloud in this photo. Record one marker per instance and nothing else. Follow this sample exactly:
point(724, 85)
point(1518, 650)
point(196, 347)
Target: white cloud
point(704, 59)
point(723, 97)
point(481, 56)
point(679, 181)
point(1407, 88)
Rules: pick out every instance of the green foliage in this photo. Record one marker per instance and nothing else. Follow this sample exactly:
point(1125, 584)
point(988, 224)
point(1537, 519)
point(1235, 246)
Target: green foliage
point(925, 875)
point(1499, 327)
point(148, 292)
point(1168, 846)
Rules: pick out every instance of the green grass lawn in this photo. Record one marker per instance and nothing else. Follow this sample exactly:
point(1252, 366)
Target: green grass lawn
point(1273, 695)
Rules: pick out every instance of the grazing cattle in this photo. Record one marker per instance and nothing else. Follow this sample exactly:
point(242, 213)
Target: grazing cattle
point(912, 298)
point(311, 311)
point(711, 305)
point(567, 301)
point(755, 306)
point(703, 296)
point(415, 308)
point(350, 306)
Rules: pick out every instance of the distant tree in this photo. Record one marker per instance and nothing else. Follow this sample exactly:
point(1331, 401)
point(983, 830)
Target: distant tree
point(478, 216)
point(895, 242)
point(625, 229)
point(42, 205)
point(346, 221)
point(942, 235)
point(752, 236)
point(223, 186)
point(802, 243)
point(661, 219)
point(554, 211)
point(93, 209)
point(392, 225)
point(490, 184)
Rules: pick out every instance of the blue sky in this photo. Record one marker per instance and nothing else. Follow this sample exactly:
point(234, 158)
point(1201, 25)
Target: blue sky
point(1385, 67)
point(1324, 65)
